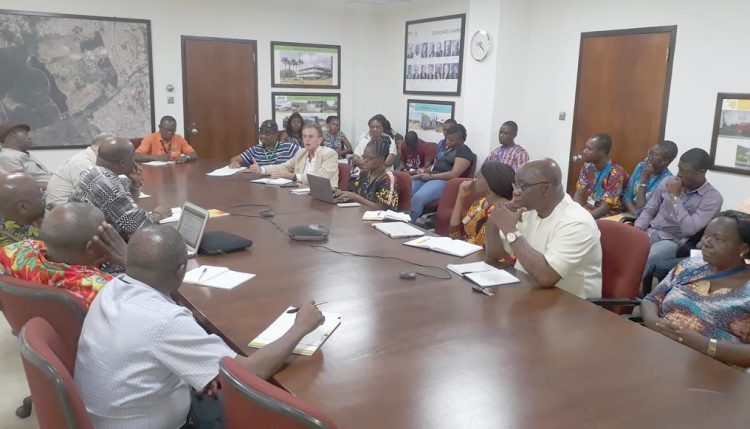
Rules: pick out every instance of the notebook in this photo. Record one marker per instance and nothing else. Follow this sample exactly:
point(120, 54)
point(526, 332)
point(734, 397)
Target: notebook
point(398, 229)
point(483, 274)
point(447, 245)
point(378, 215)
point(309, 344)
point(218, 277)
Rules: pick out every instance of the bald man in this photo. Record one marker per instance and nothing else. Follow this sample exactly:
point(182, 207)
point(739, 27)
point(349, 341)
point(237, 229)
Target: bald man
point(101, 187)
point(63, 181)
point(21, 208)
point(554, 239)
point(68, 253)
point(15, 156)
point(140, 352)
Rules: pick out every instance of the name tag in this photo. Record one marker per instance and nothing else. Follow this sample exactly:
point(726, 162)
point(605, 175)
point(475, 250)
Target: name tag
point(591, 201)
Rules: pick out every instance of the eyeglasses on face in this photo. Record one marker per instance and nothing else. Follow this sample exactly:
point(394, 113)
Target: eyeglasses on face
point(525, 187)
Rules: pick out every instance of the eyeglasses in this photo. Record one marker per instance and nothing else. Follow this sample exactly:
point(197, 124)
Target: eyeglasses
point(523, 188)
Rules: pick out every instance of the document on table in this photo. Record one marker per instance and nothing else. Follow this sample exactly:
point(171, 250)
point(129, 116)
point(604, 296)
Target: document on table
point(218, 277)
point(446, 245)
point(158, 163)
point(174, 217)
point(224, 171)
point(378, 215)
point(300, 191)
point(309, 344)
point(269, 181)
point(483, 274)
point(398, 229)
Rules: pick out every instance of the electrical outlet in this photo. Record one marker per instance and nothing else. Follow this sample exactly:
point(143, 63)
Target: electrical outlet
point(561, 116)
point(170, 100)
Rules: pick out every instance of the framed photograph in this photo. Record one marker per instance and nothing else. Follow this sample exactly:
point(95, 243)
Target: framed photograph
point(433, 55)
point(303, 65)
point(313, 107)
point(71, 77)
point(426, 117)
point(730, 145)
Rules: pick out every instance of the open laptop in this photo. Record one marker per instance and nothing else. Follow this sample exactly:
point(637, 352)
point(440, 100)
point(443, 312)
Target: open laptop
point(320, 189)
point(192, 223)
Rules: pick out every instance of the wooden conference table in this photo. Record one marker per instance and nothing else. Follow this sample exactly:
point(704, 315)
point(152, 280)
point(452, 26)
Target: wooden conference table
point(429, 353)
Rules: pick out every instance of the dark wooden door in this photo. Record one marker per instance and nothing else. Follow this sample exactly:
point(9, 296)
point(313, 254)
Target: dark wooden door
point(220, 94)
point(623, 90)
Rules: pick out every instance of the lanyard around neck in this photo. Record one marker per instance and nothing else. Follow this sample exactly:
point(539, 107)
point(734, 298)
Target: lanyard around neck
point(727, 273)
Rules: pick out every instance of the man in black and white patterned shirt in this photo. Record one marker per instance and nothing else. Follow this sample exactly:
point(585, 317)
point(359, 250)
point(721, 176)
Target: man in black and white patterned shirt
point(103, 187)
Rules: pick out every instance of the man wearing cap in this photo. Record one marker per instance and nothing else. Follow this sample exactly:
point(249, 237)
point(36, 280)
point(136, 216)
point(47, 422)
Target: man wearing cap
point(270, 151)
point(14, 156)
point(165, 145)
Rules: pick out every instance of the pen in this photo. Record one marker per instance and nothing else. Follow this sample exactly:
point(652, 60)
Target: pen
point(202, 273)
point(294, 310)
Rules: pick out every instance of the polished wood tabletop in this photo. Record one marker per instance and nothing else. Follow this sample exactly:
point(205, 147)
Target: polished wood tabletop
point(430, 353)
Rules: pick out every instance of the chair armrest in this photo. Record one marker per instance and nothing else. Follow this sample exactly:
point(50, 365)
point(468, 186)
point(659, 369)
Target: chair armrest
point(612, 302)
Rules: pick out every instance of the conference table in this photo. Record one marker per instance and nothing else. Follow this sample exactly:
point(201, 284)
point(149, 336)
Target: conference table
point(430, 353)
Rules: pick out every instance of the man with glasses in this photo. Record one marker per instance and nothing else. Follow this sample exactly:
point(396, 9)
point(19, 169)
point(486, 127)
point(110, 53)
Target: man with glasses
point(15, 156)
point(647, 176)
point(270, 151)
point(554, 239)
point(165, 145)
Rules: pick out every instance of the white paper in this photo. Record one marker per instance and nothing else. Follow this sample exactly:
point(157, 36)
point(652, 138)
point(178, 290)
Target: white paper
point(492, 278)
point(300, 191)
point(158, 163)
point(445, 245)
point(473, 267)
point(218, 277)
point(279, 181)
point(224, 171)
point(309, 344)
point(196, 274)
point(175, 217)
point(143, 195)
point(262, 180)
point(345, 205)
point(398, 229)
point(371, 215)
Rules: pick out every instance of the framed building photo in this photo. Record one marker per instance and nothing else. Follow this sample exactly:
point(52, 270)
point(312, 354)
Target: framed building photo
point(426, 117)
point(313, 107)
point(71, 77)
point(730, 145)
point(303, 65)
point(433, 55)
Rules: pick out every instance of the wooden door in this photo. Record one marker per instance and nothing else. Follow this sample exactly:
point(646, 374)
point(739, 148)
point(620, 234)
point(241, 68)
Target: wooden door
point(220, 88)
point(623, 90)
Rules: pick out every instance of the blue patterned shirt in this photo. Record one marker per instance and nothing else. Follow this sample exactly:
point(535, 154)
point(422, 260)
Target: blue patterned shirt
point(635, 180)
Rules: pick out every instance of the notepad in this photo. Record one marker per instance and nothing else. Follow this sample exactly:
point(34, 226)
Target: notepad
point(446, 245)
point(309, 344)
point(398, 229)
point(483, 274)
point(158, 163)
point(300, 191)
point(218, 277)
point(268, 181)
point(378, 215)
point(224, 171)
point(345, 205)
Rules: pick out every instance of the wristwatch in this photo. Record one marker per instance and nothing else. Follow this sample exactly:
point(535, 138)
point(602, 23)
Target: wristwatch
point(512, 236)
point(712, 343)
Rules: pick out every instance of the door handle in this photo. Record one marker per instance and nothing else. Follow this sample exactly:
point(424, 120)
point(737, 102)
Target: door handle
point(194, 129)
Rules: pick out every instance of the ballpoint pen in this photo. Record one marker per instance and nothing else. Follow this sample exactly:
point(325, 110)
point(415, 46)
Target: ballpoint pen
point(294, 310)
point(202, 273)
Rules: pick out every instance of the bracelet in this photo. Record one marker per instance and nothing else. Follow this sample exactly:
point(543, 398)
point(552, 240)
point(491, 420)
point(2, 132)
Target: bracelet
point(712, 343)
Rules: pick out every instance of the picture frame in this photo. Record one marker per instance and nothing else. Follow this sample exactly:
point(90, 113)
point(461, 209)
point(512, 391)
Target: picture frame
point(730, 142)
point(427, 68)
point(312, 106)
point(65, 106)
point(426, 117)
point(305, 65)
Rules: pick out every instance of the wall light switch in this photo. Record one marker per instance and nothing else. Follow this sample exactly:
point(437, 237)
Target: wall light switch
point(170, 100)
point(561, 116)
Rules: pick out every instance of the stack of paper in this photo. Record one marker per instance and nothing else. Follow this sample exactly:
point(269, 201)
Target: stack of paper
point(300, 191)
point(379, 215)
point(309, 344)
point(218, 277)
point(224, 171)
point(268, 181)
point(398, 229)
point(158, 163)
point(447, 245)
point(483, 274)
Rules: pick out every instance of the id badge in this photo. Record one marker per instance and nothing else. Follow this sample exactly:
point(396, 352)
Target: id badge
point(591, 201)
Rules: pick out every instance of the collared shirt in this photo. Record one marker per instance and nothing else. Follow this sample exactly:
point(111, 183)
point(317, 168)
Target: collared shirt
point(635, 180)
point(103, 189)
point(359, 147)
point(281, 153)
point(680, 218)
point(154, 144)
point(139, 354)
point(603, 186)
point(515, 156)
point(333, 140)
point(324, 164)
point(14, 160)
point(569, 240)
point(27, 260)
point(62, 183)
point(11, 232)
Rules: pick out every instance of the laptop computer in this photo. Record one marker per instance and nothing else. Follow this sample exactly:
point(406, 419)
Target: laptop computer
point(192, 223)
point(320, 189)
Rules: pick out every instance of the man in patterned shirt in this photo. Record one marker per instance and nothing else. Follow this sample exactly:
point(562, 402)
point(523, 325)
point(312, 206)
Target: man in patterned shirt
point(509, 152)
point(601, 182)
point(270, 150)
point(101, 187)
point(21, 208)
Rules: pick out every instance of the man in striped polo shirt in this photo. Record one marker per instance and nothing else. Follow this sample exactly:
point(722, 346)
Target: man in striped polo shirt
point(270, 150)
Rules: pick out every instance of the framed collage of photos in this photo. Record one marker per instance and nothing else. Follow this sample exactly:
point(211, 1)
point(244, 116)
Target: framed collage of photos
point(433, 55)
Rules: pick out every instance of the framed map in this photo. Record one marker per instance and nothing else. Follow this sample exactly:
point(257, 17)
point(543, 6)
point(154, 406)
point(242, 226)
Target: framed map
point(72, 77)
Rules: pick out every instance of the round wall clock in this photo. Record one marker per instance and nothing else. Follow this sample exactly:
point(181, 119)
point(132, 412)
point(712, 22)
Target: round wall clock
point(481, 45)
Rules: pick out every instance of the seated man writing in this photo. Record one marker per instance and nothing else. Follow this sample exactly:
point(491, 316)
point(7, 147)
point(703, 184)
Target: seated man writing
point(140, 353)
point(21, 208)
point(75, 240)
point(165, 145)
point(554, 239)
point(270, 151)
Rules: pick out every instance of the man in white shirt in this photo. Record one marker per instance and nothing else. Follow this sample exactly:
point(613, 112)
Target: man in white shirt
point(63, 181)
point(554, 239)
point(140, 353)
point(15, 156)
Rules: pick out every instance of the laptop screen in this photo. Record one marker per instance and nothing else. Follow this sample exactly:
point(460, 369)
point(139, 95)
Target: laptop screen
point(191, 224)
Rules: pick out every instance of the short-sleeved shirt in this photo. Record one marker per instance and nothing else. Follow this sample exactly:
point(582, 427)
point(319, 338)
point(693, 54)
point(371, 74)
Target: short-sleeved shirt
point(412, 160)
point(603, 186)
point(281, 153)
point(569, 240)
point(12, 232)
point(447, 157)
point(383, 190)
point(62, 183)
point(515, 156)
point(138, 355)
point(154, 144)
point(14, 160)
point(635, 180)
point(333, 140)
point(103, 189)
point(27, 260)
point(359, 146)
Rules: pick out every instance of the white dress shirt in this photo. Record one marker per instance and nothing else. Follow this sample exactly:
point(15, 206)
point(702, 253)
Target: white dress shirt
point(139, 354)
point(14, 160)
point(63, 181)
